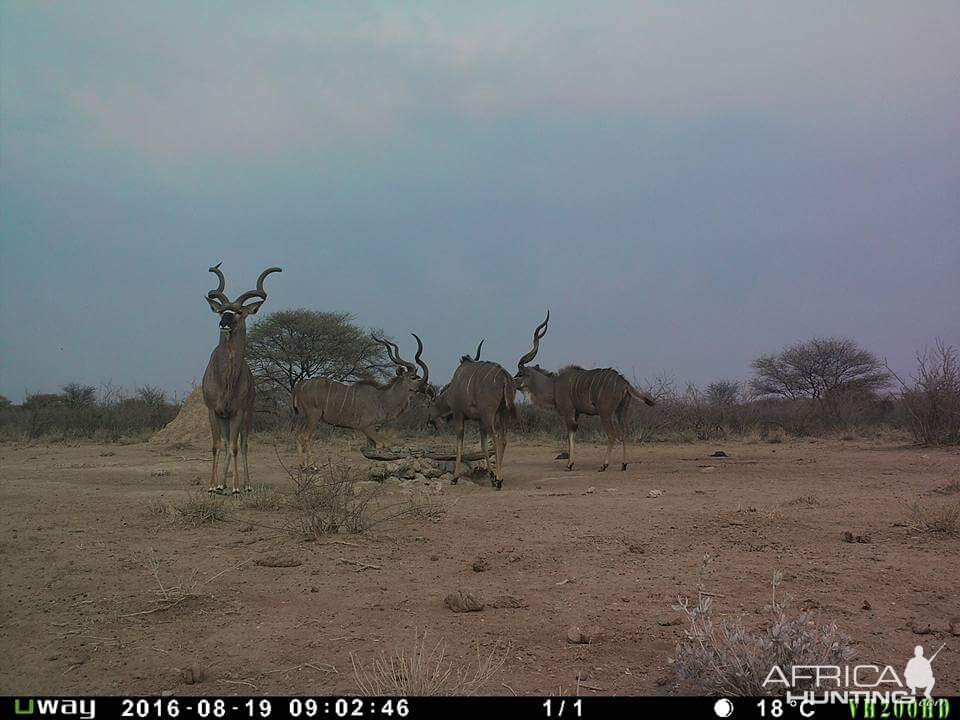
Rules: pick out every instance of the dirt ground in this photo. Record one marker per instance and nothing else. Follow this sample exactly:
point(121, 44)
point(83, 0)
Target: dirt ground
point(571, 548)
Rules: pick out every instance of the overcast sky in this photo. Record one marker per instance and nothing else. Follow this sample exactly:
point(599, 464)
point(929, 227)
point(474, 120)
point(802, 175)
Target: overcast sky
point(685, 185)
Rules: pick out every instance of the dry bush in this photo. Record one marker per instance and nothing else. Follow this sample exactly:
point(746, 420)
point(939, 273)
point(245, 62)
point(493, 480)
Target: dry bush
point(418, 671)
point(328, 499)
point(932, 397)
point(170, 594)
point(200, 508)
point(942, 518)
point(726, 658)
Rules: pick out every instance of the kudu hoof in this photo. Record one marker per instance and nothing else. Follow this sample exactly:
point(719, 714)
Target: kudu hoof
point(569, 467)
point(603, 467)
point(623, 467)
point(235, 491)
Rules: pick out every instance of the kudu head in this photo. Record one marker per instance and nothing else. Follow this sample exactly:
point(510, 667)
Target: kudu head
point(527, 374)
point(407, 375)
point(232, 314)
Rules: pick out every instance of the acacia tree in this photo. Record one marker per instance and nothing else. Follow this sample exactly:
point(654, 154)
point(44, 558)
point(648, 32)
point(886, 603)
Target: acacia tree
point(288, 346)
point(828, 370)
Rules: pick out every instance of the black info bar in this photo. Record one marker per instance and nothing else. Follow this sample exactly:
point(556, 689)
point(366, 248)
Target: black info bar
point(854, 707)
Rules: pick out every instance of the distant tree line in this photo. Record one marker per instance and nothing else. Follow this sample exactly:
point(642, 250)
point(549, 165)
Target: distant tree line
point(819, 385)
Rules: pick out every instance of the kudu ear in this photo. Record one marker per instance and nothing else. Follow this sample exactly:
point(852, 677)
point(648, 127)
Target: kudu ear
point(215, 304)
point(251, 308)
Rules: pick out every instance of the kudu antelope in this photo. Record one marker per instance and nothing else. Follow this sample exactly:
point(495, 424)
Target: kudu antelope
point(440, 409)
point(573, 392)
point(483, 391)
point(364, 405)
point(228, 387)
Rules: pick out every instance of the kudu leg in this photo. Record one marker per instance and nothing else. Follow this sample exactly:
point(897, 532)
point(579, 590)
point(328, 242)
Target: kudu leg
point(622, 429)
point(610, 429)
point(225, 443)
point(570, 434)
point(500, 446)
point(486, 455)
point(236, 429)
point(456, 465)
point(215, 435)
point(244, 436)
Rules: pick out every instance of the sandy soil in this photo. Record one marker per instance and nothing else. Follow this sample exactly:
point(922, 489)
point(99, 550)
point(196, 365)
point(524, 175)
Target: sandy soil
point(577, 548)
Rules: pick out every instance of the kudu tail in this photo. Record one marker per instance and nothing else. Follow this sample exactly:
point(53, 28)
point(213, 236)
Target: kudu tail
point(510, 398)
point(640, 395)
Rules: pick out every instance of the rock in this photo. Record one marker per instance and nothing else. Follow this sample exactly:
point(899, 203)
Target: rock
point(719, 453)
point(955, 626)
point(866, 605)
point(851, 538)
point(362, 486)
point(420, 477)
point(480, 565)
point(920, 627)
point(847, 536)
point(654, 493)
point(584, 635)
point(166, 693)
point(433, 473)
point(461, 601)
point(590, 490)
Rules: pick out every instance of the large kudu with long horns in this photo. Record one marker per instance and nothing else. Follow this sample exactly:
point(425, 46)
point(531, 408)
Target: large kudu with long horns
point(228, 388)
point(573, 392)
point(481, 391)
point(364, 405)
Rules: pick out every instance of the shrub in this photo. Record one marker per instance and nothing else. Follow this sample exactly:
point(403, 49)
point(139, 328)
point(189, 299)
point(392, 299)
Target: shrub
point(419, 672)
point(726, 658)
point(932, 398)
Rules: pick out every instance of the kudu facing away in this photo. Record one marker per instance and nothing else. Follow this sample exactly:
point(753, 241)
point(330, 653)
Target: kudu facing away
point(481, 391)
point(364, 405)
point(574, 391)
point(440, 409)
point(228, 387)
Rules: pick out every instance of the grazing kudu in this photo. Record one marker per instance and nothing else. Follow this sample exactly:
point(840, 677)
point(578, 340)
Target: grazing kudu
point(364, 405)
point(228, 387)
point(440, 408)
point(573, 392)
point(481, 391)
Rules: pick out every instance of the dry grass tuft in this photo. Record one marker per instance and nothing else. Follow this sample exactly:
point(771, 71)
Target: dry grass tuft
point(419, 671)
point(941, 518)
point(200, 508)
point(265, 498)
point(725, 658)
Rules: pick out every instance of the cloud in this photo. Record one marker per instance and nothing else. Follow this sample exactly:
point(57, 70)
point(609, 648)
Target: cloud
point(180, 84)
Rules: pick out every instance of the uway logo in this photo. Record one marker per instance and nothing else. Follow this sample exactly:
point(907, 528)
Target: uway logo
point(841, 682)
point(42, 707)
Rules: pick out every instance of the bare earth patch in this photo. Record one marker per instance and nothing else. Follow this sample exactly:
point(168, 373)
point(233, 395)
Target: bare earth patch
point(106, 590)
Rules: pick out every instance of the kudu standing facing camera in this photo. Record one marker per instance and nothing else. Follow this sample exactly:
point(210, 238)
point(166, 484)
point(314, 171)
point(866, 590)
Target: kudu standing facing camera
point(364, 405)
point(228, 388)
point(573, 392)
